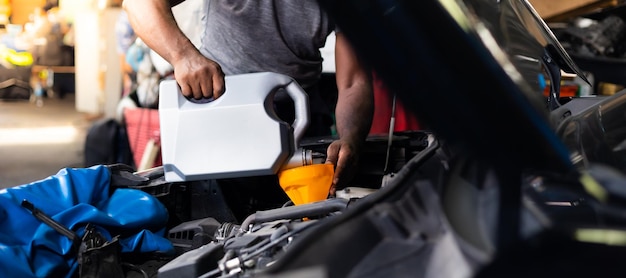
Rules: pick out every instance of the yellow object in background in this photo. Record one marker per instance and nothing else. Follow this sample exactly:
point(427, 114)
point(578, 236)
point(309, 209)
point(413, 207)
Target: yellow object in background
point(21, 59)
point(5, 11)
point(307, 184)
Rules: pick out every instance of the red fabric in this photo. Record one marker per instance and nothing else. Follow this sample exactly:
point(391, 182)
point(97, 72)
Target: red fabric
point(142, 124)
point(383, 104)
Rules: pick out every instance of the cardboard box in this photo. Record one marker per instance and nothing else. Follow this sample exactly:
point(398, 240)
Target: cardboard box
point(550, 8)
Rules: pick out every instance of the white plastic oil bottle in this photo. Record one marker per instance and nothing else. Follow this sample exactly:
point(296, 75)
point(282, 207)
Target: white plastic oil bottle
point(237, 135)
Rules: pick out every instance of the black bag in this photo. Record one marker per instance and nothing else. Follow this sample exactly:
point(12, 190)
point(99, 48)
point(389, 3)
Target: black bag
point(107, 143)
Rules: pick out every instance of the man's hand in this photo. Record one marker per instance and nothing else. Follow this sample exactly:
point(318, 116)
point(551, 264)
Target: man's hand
point(153, 22)
point(344, 155)
point(199, 77)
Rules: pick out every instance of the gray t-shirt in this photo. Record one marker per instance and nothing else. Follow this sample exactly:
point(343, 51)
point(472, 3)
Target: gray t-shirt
point(283, 36)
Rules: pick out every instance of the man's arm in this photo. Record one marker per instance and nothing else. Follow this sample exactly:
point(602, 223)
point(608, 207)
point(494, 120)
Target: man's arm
point(155, 24)
point(354, 110)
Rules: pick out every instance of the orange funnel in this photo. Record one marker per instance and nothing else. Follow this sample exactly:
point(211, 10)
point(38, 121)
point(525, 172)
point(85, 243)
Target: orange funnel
point(307, 184)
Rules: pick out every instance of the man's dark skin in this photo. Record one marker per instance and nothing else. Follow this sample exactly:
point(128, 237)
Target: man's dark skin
point(200, 77)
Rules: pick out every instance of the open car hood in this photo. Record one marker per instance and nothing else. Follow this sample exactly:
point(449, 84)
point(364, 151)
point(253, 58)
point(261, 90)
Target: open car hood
point(536, 27)
point(521, 32)
point(493, 108)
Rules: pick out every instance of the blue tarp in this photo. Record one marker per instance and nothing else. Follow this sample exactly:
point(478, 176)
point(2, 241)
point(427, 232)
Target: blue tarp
point(74, 197)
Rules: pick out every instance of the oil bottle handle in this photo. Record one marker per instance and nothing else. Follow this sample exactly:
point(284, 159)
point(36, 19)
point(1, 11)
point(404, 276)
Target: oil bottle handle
point(301, 107)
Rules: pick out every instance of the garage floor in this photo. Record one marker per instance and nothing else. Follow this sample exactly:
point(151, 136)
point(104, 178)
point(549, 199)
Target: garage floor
point(37, 142)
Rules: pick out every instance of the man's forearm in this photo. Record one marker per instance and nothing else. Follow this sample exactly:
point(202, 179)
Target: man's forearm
point(354, 111)
point(154, 23)
point(355, 102)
